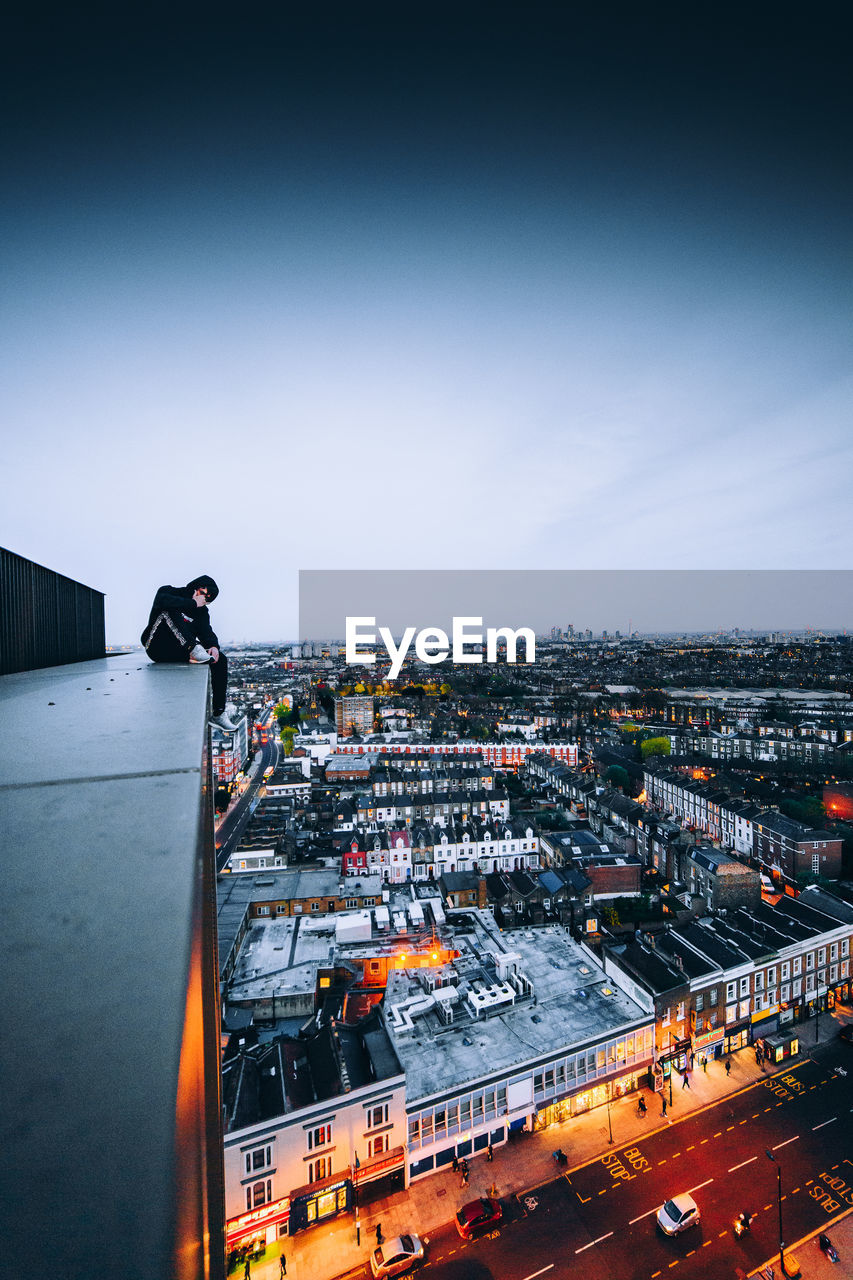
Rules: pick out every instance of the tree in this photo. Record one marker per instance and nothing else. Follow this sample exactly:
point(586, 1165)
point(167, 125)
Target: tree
point(617, 777)
point(654, 747)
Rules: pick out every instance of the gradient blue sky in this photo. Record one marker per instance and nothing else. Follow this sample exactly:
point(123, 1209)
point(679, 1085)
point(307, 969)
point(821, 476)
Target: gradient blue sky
point(489, 288)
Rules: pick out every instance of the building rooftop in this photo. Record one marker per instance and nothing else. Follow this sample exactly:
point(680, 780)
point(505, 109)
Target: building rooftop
point(540, 991)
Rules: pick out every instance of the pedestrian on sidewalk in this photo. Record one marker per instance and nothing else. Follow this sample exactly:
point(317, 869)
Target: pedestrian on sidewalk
point(641, 1106)
point(705, 1063)
point(454, 1164)
point(282, 1265)
point(663, 1104)
point(490, 1155)
point(247, 1272)
point(728, 1066)
point(685, 1080)
point(378, 1234)
point(692, 1058)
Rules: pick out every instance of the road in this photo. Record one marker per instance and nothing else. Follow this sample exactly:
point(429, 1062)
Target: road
point(599, 1221)
point(231, 828)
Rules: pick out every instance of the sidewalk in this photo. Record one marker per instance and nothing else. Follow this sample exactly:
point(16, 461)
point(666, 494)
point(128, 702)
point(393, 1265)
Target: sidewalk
point(525, 1162)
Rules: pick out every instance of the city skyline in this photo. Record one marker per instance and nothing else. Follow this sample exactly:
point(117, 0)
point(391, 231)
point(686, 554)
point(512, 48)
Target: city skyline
point(373, 288)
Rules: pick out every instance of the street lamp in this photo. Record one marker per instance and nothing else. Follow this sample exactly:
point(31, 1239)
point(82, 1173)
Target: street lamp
point(795, 1272)
point(609, 1125)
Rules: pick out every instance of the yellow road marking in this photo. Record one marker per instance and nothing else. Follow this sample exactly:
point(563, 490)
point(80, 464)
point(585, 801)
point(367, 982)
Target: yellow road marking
point(674, 1264)
point(705, 1243)
point(583, 1199)
point(690, 1148)
point(766, 1109)
point(662, 1161)
point(755, 1117)
point(729, 1129)
point(603, 1193)
point(676, 1155)
point(741, 1122)
point(794, 1192)
point(719, 1135)
point(690, 1254)
point(722, 1233)
point(767, 1206)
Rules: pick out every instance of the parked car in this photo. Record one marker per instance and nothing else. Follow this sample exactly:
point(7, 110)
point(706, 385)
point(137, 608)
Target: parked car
point(678, 1214)
point(396, 1257)
point(476, 1215)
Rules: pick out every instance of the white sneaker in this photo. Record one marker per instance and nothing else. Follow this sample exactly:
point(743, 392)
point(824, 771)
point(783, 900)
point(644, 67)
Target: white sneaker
point(199, 654)
point(223, 722)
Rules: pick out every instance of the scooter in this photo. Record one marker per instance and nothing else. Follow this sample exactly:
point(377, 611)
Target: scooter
point(827, 1247)
point(741, 1224)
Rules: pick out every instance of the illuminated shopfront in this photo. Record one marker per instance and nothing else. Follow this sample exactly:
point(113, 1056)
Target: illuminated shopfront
point(596, 1096)
point(260, 1227)
point(320, 1200)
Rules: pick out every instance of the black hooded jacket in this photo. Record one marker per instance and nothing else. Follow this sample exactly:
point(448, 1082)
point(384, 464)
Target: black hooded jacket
point(182, 598)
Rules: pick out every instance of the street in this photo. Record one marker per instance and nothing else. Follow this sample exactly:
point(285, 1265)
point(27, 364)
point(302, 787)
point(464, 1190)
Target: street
point(600, 1219)
point(231, 827)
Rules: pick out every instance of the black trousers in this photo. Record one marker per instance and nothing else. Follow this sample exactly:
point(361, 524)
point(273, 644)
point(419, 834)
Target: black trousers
point(172, 639)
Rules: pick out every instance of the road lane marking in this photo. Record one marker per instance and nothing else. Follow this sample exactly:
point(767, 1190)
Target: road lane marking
point(729, 1128)
point(584, 1247)
point(767, 1206)
point(701, 1185)
point(675, 1264)
point(600, 1238)
point(821, 1126)
point(690, 1148)
point(794, 1192)
point(719, 1135)
point(766, 1109)
point(755, 1117)
point(705, 1243)
point(786, 1142)
point(640, 1219)
point(604, 1192)
point(690, 1254)
point(583, 1199)
point(741, 1122)
point(702, 1143)
point(550, 1267)
point(722, 1234)
point(676, 1155)
point(743, 1165)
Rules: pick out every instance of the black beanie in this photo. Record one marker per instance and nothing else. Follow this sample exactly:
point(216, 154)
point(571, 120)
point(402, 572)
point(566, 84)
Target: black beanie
point(205, 583)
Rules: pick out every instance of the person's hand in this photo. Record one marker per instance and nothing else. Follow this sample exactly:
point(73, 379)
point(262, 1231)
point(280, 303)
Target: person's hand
point(214, 653)
point(200, 598)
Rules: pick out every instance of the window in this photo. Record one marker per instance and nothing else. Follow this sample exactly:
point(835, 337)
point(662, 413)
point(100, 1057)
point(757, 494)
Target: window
point(680, 1013)
point(377, 1116)
point(833, 973)
point(319, 1137)
point(744, 986)
point(258, 1194)
point(258, 1158)
point(798, 965)
point(845, 946)
point(821, 956)
point(700, 1002)
point(771, 976)
point(315, 906)
point(786, 993)
point(378, 1145)
point(833, 951)
point(759, 982)
point(414, 1131)
point(730, 991)
point(351, 903)
point(810, 960)
point(786, 970)
point(713, 997)
point(263, 911)
point(321, 1168)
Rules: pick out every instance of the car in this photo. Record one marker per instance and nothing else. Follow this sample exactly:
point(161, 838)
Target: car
point(396, 1257)
point(678, 1214)
point(476, 1215)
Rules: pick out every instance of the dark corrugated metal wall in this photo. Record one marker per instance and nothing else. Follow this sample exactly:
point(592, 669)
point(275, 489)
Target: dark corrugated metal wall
point(46, 619)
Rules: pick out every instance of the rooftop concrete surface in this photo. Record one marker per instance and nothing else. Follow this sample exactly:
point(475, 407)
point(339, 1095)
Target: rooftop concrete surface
point(102, 768)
